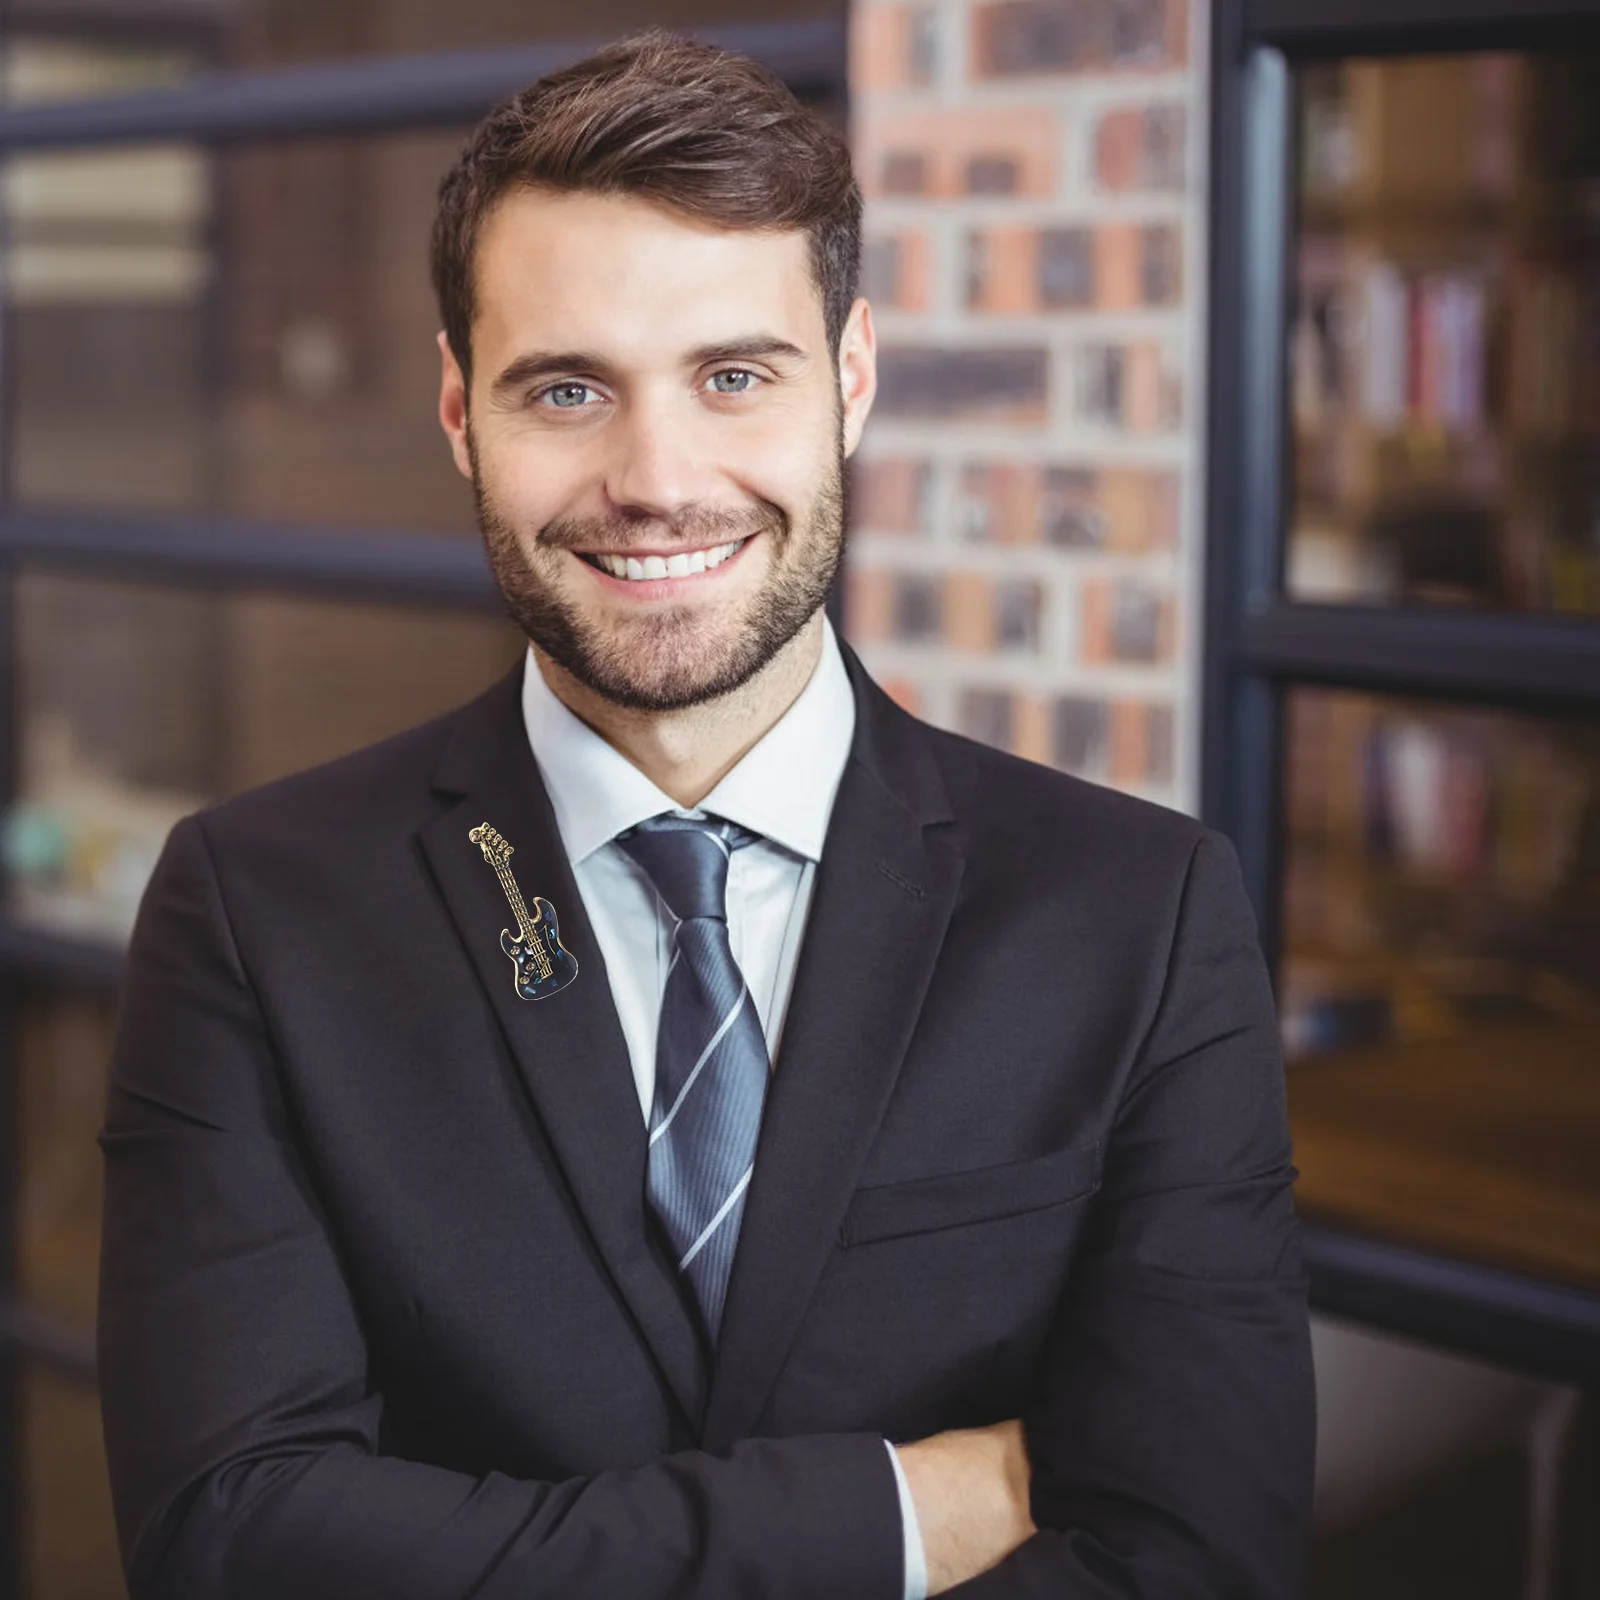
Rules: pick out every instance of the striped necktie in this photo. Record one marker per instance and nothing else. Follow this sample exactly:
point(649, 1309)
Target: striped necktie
point(711, 1056)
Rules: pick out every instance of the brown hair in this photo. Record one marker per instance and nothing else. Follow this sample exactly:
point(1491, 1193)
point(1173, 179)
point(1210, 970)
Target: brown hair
point(699, 130)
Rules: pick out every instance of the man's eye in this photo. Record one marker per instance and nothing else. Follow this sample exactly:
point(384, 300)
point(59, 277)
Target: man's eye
point(567, 396)
point(734, 380)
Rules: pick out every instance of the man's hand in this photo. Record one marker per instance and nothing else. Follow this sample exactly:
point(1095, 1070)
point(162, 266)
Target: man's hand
point(970, 1488)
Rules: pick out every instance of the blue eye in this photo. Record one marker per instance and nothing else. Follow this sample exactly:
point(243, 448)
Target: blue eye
point(734, 380)
point(567, 396)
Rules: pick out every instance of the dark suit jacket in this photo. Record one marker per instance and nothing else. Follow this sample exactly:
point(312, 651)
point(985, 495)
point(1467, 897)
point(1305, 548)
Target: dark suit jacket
point(382, 1316)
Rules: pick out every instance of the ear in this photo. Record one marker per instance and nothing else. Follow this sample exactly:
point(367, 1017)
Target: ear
point(453, 407)
point(858, 372)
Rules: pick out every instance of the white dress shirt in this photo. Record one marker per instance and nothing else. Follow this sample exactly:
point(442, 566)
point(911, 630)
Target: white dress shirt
point(782, 789)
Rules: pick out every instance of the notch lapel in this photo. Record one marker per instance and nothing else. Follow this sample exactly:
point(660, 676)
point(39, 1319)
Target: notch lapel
point(569, 1045)
point(885, 886)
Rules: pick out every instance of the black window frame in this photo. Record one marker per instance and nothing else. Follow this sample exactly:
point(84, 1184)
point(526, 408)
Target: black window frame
point(1258, 644)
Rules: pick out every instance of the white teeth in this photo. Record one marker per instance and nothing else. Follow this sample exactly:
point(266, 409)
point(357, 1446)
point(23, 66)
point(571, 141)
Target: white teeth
point(682, 565)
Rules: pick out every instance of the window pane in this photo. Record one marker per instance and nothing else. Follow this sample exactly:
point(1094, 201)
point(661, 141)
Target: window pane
point(62, 1045)
point(133, 44)
point(1441, 982)
point(250, 333)
point(1445, 353)
point(267, 32)
point(140, 703)
point(69, 1543)
point(70, 64)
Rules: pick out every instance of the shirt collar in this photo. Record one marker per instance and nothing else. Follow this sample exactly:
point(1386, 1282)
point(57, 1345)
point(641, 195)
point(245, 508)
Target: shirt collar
point(782, 788)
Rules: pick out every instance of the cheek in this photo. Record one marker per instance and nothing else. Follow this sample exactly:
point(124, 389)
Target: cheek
point(783, 460)
point(533, 486)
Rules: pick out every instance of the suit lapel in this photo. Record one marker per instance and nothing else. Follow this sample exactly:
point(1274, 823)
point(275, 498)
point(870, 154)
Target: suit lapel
point(568, 1045)
point(884, 890)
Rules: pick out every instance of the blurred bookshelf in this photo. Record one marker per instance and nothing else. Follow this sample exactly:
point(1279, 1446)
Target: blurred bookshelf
point(1403, 662)
point(1445, 350)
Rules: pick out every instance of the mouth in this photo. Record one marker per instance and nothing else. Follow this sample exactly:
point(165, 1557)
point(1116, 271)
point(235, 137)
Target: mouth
point(648, 568)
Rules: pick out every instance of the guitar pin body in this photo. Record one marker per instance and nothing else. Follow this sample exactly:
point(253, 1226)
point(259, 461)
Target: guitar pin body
point(540, 962)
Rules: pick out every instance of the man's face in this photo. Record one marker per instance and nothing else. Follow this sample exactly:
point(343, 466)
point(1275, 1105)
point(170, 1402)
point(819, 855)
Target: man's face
point(656, 435)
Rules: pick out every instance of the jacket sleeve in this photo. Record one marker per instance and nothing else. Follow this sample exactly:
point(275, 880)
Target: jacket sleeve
point(1172, 1429)
point(243, 1425)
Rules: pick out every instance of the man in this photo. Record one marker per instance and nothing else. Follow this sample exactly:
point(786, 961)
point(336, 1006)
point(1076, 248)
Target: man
point(450, 1075)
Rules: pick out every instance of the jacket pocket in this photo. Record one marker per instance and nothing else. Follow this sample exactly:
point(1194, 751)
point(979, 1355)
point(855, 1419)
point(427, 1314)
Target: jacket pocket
point(981, 1194)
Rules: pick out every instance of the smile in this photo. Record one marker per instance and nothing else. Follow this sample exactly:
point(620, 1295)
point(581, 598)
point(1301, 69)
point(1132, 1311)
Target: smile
point(682, 564)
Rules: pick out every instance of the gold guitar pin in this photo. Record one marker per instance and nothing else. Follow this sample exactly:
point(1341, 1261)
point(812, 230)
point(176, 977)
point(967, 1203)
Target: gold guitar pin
point(542, 964)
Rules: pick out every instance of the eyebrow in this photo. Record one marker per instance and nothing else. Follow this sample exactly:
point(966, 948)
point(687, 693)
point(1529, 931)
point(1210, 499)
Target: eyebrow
point(541, 364)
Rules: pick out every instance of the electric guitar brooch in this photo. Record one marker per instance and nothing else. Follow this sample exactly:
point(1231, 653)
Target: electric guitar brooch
point(542, 964)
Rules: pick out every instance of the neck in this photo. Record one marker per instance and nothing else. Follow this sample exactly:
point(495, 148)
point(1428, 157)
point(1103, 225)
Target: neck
point(687, 753)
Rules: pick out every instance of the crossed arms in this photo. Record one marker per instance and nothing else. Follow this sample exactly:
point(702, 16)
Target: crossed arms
point(1168, 1436)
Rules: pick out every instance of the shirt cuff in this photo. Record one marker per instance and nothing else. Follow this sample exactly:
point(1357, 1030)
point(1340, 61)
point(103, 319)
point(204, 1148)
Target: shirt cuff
point(916, 1556)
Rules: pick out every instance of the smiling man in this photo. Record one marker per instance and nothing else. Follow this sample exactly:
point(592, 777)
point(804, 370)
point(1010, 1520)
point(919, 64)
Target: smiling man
point(679, 1126)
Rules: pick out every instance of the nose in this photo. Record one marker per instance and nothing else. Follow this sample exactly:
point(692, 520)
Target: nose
point(658, 463)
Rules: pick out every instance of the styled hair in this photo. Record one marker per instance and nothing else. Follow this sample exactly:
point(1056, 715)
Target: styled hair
point(711, 135)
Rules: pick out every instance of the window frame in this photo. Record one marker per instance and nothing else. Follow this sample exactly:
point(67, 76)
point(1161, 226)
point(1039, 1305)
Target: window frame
point(1258, 644)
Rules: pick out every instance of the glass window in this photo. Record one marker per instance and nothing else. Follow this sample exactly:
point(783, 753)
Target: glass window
point(69, 1540)
point(36, 68)
point(1440, 988)
point(146, 42)
point(61, 1048)
point(267, 32)
point(1445, 354)
point(250, 333)
point(139, 703)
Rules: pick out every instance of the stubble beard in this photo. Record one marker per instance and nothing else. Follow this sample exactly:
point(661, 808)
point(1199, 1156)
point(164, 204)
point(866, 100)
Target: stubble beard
point(674, 657)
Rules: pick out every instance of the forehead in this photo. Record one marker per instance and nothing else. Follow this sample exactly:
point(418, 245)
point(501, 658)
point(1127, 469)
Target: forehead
point(601, 271)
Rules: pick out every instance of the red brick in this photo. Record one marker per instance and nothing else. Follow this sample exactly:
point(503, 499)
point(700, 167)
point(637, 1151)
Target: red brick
point(1141, 510)
point(1142, 148)
point(1030, 734)
point(888, 496)
point(1161, 264)
point(1126, 621)
point(917, 606)
point(868, 603)
point(1078, 735)
point(1152, 400)
point(889, 48)
point(1070, 514)
point(1001, 270)
point(948, 142)
point(969, 612)
point(1026, 38)
point(1127, 765)
point(1000, 384)
point(1065, 270)
point(1119, 150)
point(988, 715)
point(1117, 251)
point(904, 693)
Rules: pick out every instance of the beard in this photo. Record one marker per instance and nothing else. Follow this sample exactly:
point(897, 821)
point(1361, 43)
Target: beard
point(674, 656)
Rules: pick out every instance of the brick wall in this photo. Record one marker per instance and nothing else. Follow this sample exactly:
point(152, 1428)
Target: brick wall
point(1026, 501)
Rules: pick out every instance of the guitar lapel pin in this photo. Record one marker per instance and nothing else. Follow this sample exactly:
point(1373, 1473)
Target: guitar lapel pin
point(541, 962)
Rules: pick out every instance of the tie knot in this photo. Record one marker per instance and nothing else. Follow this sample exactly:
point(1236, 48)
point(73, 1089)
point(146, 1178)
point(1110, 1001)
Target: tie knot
point(687, 858)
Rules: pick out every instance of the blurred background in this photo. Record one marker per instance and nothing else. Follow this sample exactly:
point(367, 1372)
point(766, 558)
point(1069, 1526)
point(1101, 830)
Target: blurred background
point(1238, 446)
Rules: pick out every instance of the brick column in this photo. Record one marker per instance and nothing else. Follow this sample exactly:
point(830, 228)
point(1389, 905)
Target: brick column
point(1024, 557)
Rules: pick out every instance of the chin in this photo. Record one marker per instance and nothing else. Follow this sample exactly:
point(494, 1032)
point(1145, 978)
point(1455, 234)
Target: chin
point(667, 668)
